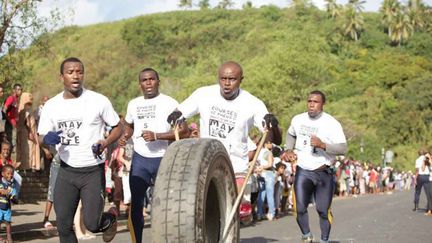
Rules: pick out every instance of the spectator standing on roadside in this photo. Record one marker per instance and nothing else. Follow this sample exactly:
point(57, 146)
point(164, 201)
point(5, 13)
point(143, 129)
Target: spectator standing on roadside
point(27, 146)
point(421, 177)
point(10, 109)
point(428, 185)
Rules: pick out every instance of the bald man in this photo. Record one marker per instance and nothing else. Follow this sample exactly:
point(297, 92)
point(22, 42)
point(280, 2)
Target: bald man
point(227, 114)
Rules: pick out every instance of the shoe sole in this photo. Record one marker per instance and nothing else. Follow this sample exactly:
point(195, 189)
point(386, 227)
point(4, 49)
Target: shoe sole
point(110, 238)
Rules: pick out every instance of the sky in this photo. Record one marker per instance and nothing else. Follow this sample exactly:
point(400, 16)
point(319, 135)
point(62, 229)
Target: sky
point(85, 12)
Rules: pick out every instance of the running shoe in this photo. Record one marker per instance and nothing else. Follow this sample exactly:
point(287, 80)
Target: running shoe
point(109, 234)
point(308, 238)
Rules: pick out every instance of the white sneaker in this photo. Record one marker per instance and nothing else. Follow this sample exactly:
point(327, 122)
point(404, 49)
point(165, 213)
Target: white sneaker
point(270, 217)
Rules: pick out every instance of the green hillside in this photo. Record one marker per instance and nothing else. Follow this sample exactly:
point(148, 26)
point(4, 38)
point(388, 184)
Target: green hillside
point(379, 92)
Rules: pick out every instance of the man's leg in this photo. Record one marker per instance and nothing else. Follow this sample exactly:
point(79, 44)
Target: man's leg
point(93, 200)
point(142, 175)
point(66, 196)
point(303, 190)
point(323, 196)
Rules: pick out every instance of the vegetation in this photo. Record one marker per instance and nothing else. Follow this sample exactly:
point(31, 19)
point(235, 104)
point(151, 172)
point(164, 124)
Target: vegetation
point(20, 25)
point(378, 88)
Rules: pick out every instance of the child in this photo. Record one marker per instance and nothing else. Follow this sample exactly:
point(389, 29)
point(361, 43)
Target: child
point(7, 195)
point(5, 158)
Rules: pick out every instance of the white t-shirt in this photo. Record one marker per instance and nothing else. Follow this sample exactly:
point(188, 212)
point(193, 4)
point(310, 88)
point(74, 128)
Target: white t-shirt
point(150, 114)
point(326, 128)
point(419, 164)
point(263, 157)
point(82, 121)
point(228, 121)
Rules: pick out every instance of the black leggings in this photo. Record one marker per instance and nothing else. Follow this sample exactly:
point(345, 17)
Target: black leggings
point(73, 184)
point(318, 184)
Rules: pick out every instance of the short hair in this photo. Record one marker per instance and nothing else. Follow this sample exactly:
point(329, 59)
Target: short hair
point(7, 166)
point(318, 92)
point(279, 165)
point(232, 63)
point(16, 85)
point(70, 59)
point(149, 69)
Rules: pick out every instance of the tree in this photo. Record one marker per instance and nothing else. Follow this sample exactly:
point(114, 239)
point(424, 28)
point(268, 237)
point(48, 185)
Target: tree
point(402, 29)
point(358, 5)
point(417, 14)
point(224, 4)
point(301, 7)
point(333, 9)
point(247, 5)
point(353, 20)
point(204, 4)
point(185, 4)
point(389, 9)
point(20, 26)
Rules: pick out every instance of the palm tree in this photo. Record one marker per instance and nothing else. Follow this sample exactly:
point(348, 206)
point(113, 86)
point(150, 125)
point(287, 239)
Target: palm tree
point(417, 13)
point(354, 22)
point(402, 29)
point(204, 4)
point(185, 4)
point(224, 4)
point(333, 9)
point(389, 9)
point(357, 4)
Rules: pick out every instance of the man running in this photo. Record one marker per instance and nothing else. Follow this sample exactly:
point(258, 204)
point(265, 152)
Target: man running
point(145, 121)
point(74, 121)
point(314, 138)
point(227, 113)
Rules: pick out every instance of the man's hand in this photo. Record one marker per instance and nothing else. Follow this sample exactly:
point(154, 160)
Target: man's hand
point(52, 138)
point(122, 140)
point(317, 143)
point(289, 156)
point(98, 148)
point(270, 121)
point(148, 136)
point(175, 117)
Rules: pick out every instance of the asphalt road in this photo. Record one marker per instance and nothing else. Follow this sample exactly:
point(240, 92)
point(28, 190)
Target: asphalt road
point(371, 218)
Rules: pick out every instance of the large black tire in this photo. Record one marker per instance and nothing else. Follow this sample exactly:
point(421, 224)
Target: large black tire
point(195, 191)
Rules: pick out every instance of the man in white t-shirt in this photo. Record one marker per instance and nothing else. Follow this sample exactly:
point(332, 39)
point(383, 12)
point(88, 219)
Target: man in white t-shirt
point(146, 123)
point(314, 138)
point(74, 122)
point(227, 113)
point(421, 177)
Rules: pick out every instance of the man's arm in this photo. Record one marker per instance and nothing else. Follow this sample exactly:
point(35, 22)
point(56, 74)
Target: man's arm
point(289, 154)
point(114, 135)
point(170, 135)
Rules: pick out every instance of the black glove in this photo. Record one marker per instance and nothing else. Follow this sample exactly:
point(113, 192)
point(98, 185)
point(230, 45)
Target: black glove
point(270, 121)
point(175, 117)
point(96, 148)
